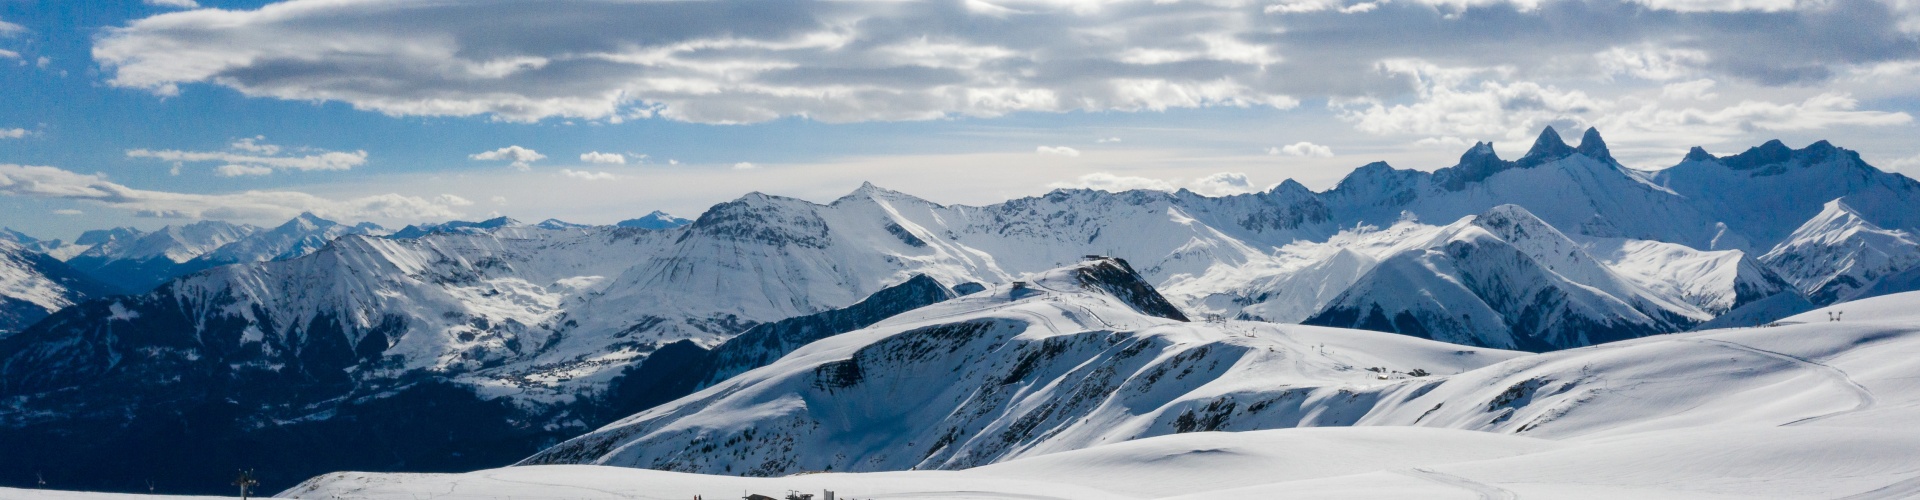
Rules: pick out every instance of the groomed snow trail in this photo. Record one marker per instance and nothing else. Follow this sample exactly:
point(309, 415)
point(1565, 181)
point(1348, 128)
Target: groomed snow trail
point(1486, 491)
point(1867, 400)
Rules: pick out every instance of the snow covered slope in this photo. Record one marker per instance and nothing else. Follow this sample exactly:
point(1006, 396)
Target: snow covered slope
point(33, 285)
point(1074, 357)
point(138, 264)
point(533, 324)
point(655, 220)
point(1810, 409)
point(304, 234)
point(1838, 253)
point(1502, 279)
point(1759, 194)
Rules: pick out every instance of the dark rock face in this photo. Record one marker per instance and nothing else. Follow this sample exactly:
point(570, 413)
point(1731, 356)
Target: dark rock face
point(83, 415)
point(1120, 280)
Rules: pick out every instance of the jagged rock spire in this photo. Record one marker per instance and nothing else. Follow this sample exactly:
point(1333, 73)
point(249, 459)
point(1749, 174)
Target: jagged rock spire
point(1593, 146)
point(1547, 148)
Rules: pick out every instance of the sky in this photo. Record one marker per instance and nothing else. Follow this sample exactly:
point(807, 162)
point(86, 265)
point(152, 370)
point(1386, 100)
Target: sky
point(152, 112)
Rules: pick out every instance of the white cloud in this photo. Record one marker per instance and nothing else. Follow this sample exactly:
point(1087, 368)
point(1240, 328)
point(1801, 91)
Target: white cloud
point(707, 62)
point(1057, 151)
point(240, 170)
point(1448, 142)
point(13, 133)
point(1651, 62)
point(1481, 104)
point(1696, 90)
point(42, 62)
point(1725, 5)
point(253, 156)
point(1910, 165)
point(1115, 183)
point(56, 183)
point(68, 211)
point(256, 144)
point(178, 4)
point(1468, 102)
point(1106, 140)
point(1223, 184)
point(1815, 113)
point(671, 161)
point(744, 166)
point(8, 54)
point(1306, 149)
point(499, 200)
point(588, 176)
point(521, 158)
point(604, 158)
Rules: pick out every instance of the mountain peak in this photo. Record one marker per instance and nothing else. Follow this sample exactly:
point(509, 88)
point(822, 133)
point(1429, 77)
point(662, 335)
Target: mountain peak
point(8, 234)
point(559, 224)
point(1699, 154)
point(1477, 164)
point(1548, 147)
point(656, 220)
point(1593, 146)
point(1118, 279)
point(306, 221)
point(1290, 186)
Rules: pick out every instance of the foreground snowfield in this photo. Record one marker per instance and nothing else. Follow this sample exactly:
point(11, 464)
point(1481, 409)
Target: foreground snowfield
point(1810, 408)
point(1807, 409)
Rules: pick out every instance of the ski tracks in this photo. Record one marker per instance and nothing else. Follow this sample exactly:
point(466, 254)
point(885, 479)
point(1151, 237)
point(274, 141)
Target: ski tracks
point(1486, 491)
point(1867, 400)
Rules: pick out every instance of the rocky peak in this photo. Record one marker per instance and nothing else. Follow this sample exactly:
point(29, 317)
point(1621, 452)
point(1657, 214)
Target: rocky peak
point(1699, 154)
point(1593, 146)
point(1546, 148)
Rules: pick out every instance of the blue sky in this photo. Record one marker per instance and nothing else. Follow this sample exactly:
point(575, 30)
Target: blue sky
point(156, 112)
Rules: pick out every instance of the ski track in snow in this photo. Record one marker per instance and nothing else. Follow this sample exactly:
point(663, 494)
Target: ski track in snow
point(1909, 488)
point(1486, 491)
point(1867, 400)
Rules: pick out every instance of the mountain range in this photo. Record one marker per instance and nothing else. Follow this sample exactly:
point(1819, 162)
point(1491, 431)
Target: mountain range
point(469, 344)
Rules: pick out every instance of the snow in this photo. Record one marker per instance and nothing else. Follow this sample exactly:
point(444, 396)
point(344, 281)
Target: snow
point(1798, 410)
point(548, 315)
point(1838, 253)
point(21, 280)
point(1896, 308)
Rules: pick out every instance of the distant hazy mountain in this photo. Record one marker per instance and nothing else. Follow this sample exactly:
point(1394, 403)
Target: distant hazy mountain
point(655, 220)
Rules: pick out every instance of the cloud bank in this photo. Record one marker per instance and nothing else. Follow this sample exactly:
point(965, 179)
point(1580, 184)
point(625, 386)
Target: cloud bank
point(254, 156)
point(57, 183)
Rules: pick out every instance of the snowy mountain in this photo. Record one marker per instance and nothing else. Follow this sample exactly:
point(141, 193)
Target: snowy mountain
point(560, 224)
point(33, 285)
point(536, 333)
point(680, 368)
point(1069, 358)
point(458, 226)
point(136, 262)
point(1838, 253)
point(1503, 279)
point(302, 235)
point(1008, 388)
point(655, 220)
point(1761, 193)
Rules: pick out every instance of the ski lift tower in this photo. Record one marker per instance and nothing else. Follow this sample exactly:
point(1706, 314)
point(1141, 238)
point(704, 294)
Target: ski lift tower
point(246, 482)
